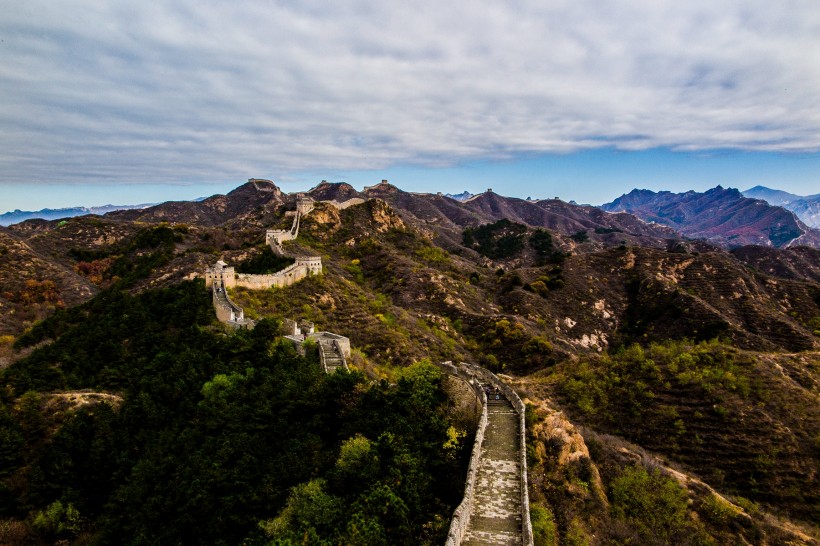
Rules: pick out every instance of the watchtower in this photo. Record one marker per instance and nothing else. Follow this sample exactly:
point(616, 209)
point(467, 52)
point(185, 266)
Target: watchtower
point(304, 204)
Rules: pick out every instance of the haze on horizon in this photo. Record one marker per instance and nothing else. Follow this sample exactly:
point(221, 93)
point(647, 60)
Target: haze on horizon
point(105, 102)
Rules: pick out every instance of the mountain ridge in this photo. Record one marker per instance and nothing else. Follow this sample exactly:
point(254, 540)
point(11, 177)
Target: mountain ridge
point(721, 216)
point(807, 207)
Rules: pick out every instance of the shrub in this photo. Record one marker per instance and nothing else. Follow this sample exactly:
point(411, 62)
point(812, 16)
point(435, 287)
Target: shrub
point(432, 254)
point(543, 525)
point(653, 504)
point(499, 240)
point(57, 521)
point(718, 511)
point(355, 269)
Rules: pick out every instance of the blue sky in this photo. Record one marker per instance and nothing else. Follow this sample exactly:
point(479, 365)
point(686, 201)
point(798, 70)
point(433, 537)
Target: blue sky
point(110, 102)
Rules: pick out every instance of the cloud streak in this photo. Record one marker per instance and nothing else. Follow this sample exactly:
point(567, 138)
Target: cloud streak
point(200, 90)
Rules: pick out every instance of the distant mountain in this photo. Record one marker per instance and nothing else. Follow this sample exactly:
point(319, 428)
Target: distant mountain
point(18, 215)
point(773, 197)
point(807, 208)
point(720, 216)
point(448, 218)
point(463, 196)
point(253, 203)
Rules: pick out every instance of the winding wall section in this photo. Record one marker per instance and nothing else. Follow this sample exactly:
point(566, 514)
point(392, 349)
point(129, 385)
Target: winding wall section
point(220, 277)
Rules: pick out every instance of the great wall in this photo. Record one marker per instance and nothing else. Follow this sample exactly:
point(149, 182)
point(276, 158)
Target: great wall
point(334, 350)
point(222, 276)
point(495, 509)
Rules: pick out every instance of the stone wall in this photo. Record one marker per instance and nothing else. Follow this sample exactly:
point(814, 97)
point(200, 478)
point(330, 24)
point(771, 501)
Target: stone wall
point(348, 203)
point(475, 376)
point(461, 515)
point(286, 277)
point(278, 236)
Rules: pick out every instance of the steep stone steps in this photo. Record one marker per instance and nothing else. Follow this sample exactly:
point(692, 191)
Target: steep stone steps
point(330, 356)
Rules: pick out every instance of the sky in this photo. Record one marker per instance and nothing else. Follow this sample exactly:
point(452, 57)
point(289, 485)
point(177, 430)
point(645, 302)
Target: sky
point(106, 101)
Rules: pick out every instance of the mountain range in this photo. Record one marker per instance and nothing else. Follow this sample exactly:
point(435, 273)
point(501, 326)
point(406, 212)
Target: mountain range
point(17, 215)
point(691, 353)
point(722, 216)
point(807, 208)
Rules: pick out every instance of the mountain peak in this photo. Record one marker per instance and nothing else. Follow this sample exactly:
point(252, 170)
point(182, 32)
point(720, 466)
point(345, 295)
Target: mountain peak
point(463, 196)
point(333, 191)
point(720, 215)
point(382, 188)
point(256, 185)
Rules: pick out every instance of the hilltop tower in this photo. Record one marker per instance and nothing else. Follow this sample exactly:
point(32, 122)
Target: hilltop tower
point(304, 204)
point(221, 274)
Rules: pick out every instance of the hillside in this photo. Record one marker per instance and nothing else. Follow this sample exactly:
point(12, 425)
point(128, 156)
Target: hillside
point(637, 349)
point(720, 216)
point(34, 284)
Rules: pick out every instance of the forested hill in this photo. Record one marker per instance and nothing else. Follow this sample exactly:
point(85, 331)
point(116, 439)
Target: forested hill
point(143, 423)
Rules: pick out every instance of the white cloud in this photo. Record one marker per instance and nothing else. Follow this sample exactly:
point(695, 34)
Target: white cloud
point(204, 90)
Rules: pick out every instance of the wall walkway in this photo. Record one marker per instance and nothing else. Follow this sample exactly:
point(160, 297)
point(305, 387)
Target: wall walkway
point(495, 508)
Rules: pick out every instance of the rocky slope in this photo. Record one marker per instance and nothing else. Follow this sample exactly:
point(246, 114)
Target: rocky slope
point(721, 216)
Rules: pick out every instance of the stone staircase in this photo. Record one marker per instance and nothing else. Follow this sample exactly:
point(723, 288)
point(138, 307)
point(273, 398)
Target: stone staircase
point(331, 356)
point(495, 508)
point(496, 515)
